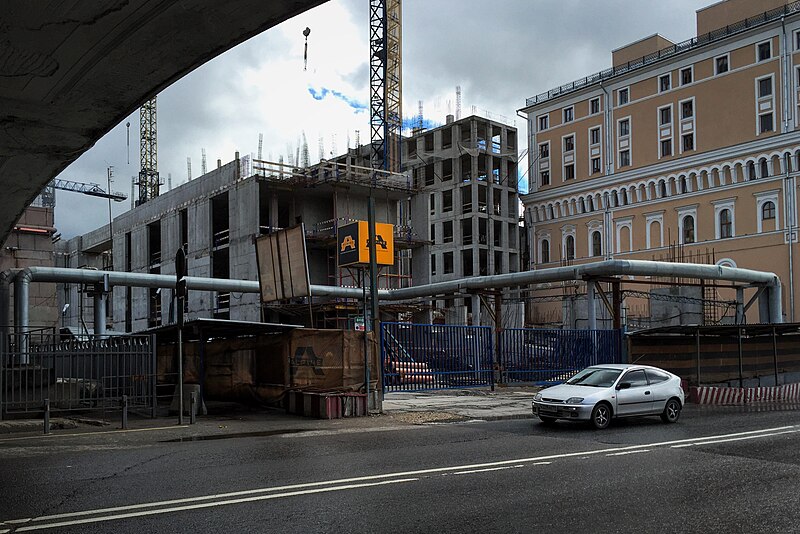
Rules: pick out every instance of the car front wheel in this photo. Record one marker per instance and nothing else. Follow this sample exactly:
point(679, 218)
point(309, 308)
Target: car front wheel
point(671, 411)
point(601, 416)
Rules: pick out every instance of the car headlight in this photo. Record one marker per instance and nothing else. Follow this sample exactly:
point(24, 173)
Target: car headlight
point(537, 397)
point(574, 400)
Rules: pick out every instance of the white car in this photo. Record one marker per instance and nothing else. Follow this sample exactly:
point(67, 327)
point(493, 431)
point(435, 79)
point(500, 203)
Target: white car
point(603, 392)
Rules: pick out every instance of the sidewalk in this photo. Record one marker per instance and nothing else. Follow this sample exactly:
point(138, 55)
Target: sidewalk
point(406, 408)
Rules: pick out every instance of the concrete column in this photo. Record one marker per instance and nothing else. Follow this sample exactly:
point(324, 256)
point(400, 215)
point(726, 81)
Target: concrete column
point(592, 312)
point(476, 309)
point(739, 305)
point(99, 313)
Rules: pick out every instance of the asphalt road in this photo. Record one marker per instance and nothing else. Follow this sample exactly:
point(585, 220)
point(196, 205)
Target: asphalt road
point(716, 470)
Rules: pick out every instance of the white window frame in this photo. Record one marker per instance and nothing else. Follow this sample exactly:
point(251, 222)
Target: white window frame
point(619, 96)
point(684, 212)
point(568, 231)
point(690, 68)
point(765, 105)
point(796, 40)
point(571, 110)
point(599, 108)
point(758, 45)
point(671, 116)
point(719, 205)
point(624, 222)
point(761, 199)
point(564, 143)
point(546, 118)
point(668, 76)
point(595, 226)
point(624, 142)
point(540, 145)
point(671, 142)
point(540, 239)
point(727, 56)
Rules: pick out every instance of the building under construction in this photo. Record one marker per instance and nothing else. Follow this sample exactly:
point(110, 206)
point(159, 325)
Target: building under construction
point(216, 217)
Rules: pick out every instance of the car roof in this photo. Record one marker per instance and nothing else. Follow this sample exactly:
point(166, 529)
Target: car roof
point(624, 366)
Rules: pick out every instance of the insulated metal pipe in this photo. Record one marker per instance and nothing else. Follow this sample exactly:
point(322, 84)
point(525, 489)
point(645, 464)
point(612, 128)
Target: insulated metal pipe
point(6, 277)
point(99, 313)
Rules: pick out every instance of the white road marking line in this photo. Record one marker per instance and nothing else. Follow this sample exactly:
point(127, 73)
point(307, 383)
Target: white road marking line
point(93, 434)
point(40, 526)
point(383, 476)
point(473, 471)
point(628, 452)
point(734, 439)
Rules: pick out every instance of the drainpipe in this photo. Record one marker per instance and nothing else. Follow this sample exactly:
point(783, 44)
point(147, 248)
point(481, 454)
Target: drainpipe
point(788, 201)
point(608, 118)
point(787, 80)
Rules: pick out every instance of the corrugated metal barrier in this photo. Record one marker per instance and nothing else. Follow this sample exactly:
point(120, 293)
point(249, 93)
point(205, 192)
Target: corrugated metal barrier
point(422, 356)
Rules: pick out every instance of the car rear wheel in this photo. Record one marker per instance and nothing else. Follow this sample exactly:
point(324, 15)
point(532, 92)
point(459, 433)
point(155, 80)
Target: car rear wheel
point(671, 411)
point(601, 416)
point(547, 420)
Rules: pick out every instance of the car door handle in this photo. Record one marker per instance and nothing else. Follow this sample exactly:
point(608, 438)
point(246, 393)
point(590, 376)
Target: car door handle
point(647, 393)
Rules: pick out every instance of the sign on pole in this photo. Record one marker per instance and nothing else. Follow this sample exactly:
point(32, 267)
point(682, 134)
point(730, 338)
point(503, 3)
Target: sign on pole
point(353, 243)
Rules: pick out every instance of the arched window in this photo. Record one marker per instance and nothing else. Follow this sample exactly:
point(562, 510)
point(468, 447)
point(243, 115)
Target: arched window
point(662, 188)
point(624, 198)
point(597, 244)
point(684, 188)
point(569, 244)
point(544, 257)
point(764, 168)
point(725, 224)
point(751, 170)
point(688, 229)
point(767, 210)
point(591, 204)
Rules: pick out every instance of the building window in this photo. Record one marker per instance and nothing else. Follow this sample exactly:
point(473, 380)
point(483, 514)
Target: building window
point(595, 165)
point(725, 224)
point(721, 64)
point(765, 123)
point(433, 233)
point(624, 158)
point(684, 186)
point(624, 127)
point(688, 142)
point(768, 211)
point(664, 83)
point(594, 106)
point(569, 114)
point(569, 245)
point(687, 75)
point(544, 122)
point(665, 116)
point(544, 257)
point(433, 264)
point(594, 136)
point(751, 170)
point(687, 109)
point(597, 244)
point(688, 229)
point(764, 51)
point(569, 172)
point(666, 148)
point(623, 96)
point(797, 40)
point(433, 203)
point(447, 232)
point(764, 87)
point(544, 178)
point(569, 143)
point(544, 150)
point(448, 262)
point(447, 200)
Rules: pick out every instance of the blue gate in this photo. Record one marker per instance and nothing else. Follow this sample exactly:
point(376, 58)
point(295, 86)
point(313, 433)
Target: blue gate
point(552, 356)
point(423, 356)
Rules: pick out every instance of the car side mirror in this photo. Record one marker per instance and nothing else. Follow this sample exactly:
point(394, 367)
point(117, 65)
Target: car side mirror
point(623, 385)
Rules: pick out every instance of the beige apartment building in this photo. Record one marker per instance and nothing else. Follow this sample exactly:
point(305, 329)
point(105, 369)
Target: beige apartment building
point(681, 151)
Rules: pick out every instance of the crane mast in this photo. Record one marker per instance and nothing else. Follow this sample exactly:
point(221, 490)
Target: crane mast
point(149, 181)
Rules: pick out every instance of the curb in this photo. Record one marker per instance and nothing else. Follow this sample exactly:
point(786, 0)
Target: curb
point(739, 396)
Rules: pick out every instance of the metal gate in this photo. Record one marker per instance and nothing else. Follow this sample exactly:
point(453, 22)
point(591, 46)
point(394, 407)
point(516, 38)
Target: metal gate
point(422, 356)
point(551, 356)
point(76, 375)
point(425, 356)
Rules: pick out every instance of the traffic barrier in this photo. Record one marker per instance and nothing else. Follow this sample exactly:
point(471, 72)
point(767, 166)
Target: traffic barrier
point(737, 396)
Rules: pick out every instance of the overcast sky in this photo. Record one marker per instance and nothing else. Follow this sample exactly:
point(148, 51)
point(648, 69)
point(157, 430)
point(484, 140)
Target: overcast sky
point(500, 53)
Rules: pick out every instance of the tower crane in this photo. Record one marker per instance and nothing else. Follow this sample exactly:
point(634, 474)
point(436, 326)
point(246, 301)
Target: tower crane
point(87, 188)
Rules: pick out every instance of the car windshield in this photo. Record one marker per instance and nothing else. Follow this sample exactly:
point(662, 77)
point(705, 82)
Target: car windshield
point(595, 376)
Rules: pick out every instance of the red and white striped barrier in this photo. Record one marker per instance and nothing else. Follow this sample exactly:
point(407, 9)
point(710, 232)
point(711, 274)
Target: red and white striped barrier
point(721, 395)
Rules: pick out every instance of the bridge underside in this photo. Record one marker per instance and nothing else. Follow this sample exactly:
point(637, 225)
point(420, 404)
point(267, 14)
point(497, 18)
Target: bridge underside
point(71, 71)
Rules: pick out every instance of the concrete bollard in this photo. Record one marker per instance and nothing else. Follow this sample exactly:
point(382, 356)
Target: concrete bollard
point(47, 416)
point(125, 412)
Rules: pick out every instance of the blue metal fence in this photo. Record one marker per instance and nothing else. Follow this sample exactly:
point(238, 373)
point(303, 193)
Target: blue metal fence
point(551, 356)
point(423, 356)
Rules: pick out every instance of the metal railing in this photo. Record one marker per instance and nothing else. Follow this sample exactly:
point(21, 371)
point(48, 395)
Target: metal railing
point(76, 375)
point(670, 51)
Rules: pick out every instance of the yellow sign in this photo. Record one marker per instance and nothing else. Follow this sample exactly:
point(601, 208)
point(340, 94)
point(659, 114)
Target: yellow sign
point(353, 240)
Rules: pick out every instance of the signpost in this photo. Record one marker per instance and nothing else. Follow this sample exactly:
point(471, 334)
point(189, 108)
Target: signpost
point(180, 292)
